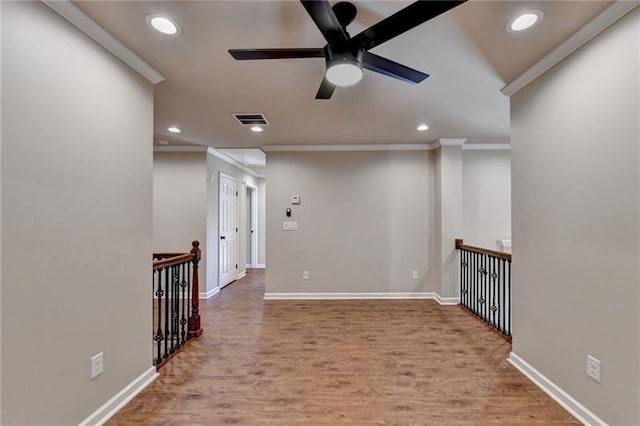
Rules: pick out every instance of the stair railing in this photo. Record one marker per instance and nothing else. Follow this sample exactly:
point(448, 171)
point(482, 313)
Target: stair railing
point(485, 285)
point(176, 311)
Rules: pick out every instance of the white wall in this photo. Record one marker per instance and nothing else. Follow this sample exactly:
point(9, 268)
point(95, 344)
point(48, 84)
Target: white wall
point(486, 197)
point(576, 216)
point(76, 231)
point(363, 221)
point(180, 204)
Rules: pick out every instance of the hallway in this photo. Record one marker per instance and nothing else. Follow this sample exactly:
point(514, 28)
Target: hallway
point(339, 362)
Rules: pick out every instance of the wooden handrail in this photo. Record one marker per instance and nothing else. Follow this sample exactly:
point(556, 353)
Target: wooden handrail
point(171, 261)
point(157, 256)
point(499, 254)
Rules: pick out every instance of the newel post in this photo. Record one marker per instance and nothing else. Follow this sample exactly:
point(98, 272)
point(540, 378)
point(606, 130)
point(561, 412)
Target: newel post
point(195, 329)
point(459, 242)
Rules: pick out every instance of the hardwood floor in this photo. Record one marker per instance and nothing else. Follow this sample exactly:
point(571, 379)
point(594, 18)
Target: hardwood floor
point(404, 362)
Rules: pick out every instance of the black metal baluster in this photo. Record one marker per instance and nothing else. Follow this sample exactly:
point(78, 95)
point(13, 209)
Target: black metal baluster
point(189, 272)
point(474, 277)
point(183, 320)
point(502, 262)
point(166, 314)
point(509, 299)
point(461, 254)
point(158, 337)
point(463, 272)
point(481, 277)
point(494, 275)
point(172, 348)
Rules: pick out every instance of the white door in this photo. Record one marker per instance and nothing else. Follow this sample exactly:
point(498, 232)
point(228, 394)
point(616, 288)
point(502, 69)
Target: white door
point(228, 218)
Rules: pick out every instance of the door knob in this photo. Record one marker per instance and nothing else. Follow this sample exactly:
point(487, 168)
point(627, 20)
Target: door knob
point(223, 237)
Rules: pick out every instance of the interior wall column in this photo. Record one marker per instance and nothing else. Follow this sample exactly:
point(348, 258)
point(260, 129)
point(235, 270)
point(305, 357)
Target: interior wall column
point(449, 222)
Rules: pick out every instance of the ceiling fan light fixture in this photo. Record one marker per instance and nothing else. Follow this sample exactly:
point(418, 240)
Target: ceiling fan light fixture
point(344, 72)
point(524, 21)
point(163, 25)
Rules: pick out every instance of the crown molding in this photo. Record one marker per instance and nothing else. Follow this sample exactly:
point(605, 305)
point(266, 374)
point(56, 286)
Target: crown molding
point(486, 147)
point(84, 23)
point(451, 141)
point(233, 162)
point(179, 148)
point(335, 148)
point(598, 24)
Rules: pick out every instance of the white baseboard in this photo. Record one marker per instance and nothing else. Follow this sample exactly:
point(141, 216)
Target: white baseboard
point(119, 400)
point(260, 266)
point(209, 294)
point(359, 296)
point(241, 275)
point(447, 300)
point(248, 265)
point(567, 402)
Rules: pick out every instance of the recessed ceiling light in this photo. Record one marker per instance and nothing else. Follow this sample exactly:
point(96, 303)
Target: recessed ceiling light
point(163, 25)
point(423, 127)
point(524, 21)
point(257, 129)
point(174, 129)
point(344, 73)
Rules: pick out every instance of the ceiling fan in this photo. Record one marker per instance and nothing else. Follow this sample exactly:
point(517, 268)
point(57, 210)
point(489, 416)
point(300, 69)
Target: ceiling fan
point(345, 56)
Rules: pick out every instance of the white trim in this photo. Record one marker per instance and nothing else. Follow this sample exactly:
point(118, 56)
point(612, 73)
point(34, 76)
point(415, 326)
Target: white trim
point(361, 296)
point(233, 162)
point(179, 148)
point(248, 265)
point(260, 266)
point(84, 23)
point(333, 148)
point(486, 146)
point(119, 400)
point(209, 294)
point(451, 141)
point(598, 24)
point(254, 224)
point(447, 300)
point(241, 275)
point(567, 402)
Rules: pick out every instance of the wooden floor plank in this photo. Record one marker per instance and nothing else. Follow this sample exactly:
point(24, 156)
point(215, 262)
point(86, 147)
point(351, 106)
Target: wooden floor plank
point(364, 362)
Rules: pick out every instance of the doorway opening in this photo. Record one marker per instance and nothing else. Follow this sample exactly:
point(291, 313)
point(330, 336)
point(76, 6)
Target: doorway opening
point(251, 204)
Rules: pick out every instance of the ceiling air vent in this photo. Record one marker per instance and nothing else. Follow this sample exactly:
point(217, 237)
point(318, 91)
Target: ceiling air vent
point(254, 119)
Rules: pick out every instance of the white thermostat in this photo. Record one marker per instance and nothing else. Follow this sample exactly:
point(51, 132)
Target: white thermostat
point(295, 199)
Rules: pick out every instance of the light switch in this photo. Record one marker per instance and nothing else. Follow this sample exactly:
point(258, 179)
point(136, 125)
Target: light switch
point(289, 226)
point(295, 199)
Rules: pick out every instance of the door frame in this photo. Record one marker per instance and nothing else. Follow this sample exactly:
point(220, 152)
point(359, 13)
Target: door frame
point(220, 176)
point(254, 224)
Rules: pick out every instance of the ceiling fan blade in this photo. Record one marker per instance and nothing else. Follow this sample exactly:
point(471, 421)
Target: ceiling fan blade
point(248, 54)
point(326, 21)
point(393, 69)
point(402, 21)
point(326, 89)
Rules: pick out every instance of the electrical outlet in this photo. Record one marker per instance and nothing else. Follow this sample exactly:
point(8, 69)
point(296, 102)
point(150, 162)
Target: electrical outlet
point(416, 275)
point(305, 275)
point(97, 365)
point(593, 368)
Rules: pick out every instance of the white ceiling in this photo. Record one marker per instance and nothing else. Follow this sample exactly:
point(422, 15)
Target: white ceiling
point(467, 52)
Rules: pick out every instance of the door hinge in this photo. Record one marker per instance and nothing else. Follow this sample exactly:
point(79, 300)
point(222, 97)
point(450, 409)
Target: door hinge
point(236, 266)
point(236, 193)
point(236, 229)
